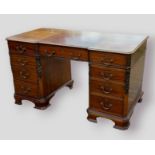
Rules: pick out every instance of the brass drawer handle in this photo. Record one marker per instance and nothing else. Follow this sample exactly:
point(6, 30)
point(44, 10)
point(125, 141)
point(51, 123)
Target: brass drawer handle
point(50, 54)
point(77, 57)
point(25, 90)
point(106, 90)
point(107, 61)
point(22, 62)
point(20, 49)
point(106, 105)
point(106, 76)
point(24, 75)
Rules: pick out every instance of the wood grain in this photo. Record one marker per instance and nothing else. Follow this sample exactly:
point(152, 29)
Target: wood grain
point(41, 65)
point(107, 42)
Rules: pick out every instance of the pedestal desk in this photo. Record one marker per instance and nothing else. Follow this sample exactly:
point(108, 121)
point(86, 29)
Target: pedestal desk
point(40, 62)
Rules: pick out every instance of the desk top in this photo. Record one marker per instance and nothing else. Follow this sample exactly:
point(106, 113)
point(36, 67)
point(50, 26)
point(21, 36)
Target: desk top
point(107, 42)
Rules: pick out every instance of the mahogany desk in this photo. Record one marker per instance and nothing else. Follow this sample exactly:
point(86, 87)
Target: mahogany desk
point(40, 61)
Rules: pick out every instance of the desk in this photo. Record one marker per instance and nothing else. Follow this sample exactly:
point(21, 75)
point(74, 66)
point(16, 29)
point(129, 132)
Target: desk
point(40, 62)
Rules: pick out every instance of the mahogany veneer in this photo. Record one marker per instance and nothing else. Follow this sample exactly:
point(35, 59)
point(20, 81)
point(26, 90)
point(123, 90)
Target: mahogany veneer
point(40, 61)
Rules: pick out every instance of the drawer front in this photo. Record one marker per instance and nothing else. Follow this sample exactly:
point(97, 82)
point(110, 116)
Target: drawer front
point(106, 105)
point(107, 88)
point(64, 52)
point(22, 61)
point(26, 89)
point(77, 53)
point(27, 74)
point(22, 48)
point(108, 59)
point(107, 73)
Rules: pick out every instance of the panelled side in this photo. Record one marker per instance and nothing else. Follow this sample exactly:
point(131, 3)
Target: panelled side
point(136, 75)
point(56, 72)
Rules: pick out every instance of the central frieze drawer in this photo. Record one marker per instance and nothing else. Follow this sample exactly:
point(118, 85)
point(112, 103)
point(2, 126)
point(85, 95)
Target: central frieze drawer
point(64, 52)
point(107, 88)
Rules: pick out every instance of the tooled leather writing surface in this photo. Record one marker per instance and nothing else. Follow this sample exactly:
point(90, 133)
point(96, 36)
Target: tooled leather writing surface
point(107, 42)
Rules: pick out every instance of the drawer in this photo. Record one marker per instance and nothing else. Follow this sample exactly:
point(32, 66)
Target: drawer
point(108, 59)
point(106, 105)
point(27, 74)
point(22, 61)
point(107, 73)
point(22, 48)
point(26, 89)
point(107, 88)
point(64, 52)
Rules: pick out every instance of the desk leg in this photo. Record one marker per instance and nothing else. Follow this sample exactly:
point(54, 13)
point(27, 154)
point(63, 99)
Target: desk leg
point(122, 125)
point(70, 85)
point(92, 118)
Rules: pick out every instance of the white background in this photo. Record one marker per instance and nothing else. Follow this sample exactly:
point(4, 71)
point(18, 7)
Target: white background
point(66, 118)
